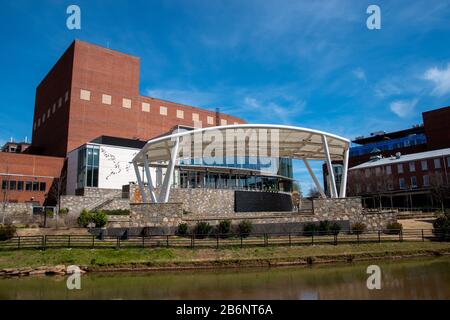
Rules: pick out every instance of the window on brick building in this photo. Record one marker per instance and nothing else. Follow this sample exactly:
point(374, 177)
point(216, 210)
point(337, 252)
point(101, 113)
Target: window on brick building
point(42, 186)
point(12, 185)
point(412, 167)
point(106, 99)
point(4, 185)
point(85, 95)
point(426, 180)
point(424, 165)
point(35, 186)
point(388, 170)
point(400, 168)
point(210, 120)
point(163, 111)
point(145, 106)
point(401, 183)
point(223, 122)
point(126, 103)
point(413, 182)
point(180, 114)
point(195, 117)
point(28, 186)
point(377, 171)
point(437, 163)
point(20, 185)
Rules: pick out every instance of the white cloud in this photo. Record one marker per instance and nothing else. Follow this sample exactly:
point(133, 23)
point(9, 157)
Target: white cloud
point(440, 78)
point(283, 111)
point(403, 108)
point(359, 74)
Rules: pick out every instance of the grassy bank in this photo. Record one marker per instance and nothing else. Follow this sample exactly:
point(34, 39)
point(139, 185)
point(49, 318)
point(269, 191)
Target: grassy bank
point(173, 258)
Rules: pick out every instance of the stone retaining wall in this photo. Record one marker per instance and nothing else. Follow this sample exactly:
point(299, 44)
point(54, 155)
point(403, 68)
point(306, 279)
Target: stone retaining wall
point(156, 214)
point(18, 213)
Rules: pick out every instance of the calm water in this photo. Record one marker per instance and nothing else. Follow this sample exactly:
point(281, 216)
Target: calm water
point(426, 279)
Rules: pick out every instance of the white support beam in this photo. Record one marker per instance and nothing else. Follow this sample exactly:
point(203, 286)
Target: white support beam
point(168, 178)
point(151, 190)
point(313, 176)
point(140, 183)
point(343, 191)
point(333, 189)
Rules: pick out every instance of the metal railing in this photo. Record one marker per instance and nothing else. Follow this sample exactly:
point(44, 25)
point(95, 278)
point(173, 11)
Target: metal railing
point(221, 240)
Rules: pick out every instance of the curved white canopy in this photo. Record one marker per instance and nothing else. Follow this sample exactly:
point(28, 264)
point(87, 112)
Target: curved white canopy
point(293, 142)
point(243, 140)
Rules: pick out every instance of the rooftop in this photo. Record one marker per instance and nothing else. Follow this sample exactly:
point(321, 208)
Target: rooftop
point(404, 158)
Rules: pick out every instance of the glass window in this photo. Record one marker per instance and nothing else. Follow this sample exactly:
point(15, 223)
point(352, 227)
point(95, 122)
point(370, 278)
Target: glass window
point(4, 185)
point(28, 186)
point(412, 167)
point(401, 183)
point(448, 162)
point(12, 185)
point(42, 186)
point(400, 168)
point(413, 182)
point(388, 170)
point(424, 165)
point(426, 181)
point(19, 185)
point(35, 186)
point(437, 163)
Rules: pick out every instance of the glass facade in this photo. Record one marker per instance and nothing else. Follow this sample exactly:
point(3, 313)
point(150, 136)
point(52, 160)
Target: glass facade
point(88, 163)
point(412, 140)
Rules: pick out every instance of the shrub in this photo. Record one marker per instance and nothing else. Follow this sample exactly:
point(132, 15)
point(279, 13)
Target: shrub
point(442, 226)
point(63, 211)
point(117, 212)
point(358, 227)
point(85, 218)
point(7, 231)
point(182, 229)
point(393, 228)
point(224, 227)
point(335, 228)
point(49, 213)
point(245, 228)
point(99, 218)
point(324, 227)
point(309, 228)
point(202, 229)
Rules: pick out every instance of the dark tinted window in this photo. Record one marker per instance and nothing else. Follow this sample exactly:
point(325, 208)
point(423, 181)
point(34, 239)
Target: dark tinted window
point(28, 185)
point(20, 185)
point(42, 186)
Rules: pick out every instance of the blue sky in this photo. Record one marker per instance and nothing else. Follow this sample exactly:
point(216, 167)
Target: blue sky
point(308, 63)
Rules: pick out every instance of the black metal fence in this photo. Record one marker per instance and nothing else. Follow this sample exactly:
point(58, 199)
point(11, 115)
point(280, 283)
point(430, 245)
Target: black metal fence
point(221, 240)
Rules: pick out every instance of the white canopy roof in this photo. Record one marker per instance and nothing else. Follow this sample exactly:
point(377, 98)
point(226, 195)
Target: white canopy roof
point(292, 142)
point(243, 140)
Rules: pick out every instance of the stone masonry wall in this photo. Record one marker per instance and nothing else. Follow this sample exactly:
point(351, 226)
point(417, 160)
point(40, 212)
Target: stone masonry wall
point(156, 214)
point(18, 213)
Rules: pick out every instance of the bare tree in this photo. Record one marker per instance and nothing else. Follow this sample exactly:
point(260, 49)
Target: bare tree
point(440, 191)
point(5, 190)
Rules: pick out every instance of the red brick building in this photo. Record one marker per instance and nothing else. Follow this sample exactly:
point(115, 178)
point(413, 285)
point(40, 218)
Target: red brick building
point(90, 92)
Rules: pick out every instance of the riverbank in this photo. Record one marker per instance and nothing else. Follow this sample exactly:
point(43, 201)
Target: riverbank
point(109, 260)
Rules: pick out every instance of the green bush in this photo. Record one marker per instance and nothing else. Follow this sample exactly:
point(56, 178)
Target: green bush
point(309, 228)
point(358, 227)
point(182, 229)
point(99, 218)
point(441, 226)
point(393, 228)
point(85, 218)
point(49, 213)
point(117, 212)
point(202, 229)
point(324, 227)
point(335, 228)
point(63, 211)
point(224, 227)
point(7, 231)
point(245, 227)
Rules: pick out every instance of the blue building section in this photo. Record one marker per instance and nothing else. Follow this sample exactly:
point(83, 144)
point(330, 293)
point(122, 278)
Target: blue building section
point(390, 144)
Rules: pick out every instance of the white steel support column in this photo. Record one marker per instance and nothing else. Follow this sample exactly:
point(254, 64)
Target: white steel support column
point(343, 191)
point(313, 176)
point(168, 178)
point(333, 189)
point(151, 190)
point(139, 180)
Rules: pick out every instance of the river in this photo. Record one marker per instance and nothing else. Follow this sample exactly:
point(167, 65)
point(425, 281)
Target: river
point(406, 279)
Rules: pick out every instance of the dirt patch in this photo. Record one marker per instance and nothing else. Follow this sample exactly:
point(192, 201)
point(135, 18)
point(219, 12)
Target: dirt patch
point(51, 231)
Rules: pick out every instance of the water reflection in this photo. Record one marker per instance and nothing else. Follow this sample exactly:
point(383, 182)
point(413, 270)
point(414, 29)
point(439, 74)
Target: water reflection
point(428, 279)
